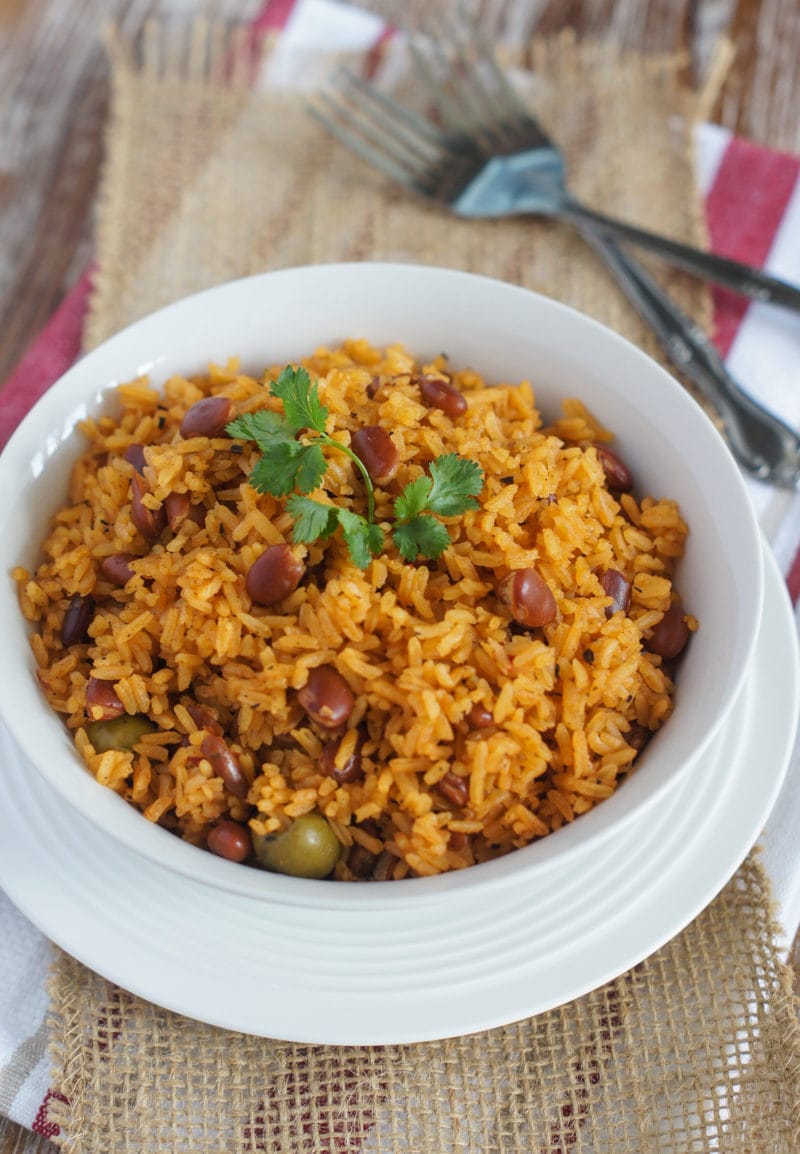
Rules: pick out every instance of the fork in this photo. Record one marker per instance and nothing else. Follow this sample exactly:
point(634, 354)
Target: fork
point(488, 157)
point(482, 110)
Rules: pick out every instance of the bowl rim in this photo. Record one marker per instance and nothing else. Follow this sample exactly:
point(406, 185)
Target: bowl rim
point(514, 867)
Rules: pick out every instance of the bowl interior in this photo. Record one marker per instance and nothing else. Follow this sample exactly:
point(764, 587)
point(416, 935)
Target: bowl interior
point(507, 334)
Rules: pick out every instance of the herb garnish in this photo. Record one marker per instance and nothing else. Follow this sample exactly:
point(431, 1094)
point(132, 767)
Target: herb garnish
point(451, 488)
point(292, 464)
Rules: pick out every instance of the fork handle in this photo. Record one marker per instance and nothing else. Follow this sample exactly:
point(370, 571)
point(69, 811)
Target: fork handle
point(760, 442)
point(732, 274)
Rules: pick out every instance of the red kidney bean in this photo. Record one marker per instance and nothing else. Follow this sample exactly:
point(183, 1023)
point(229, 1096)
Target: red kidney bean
point(385, 865)
point(529, 597)
point(225, 764)
point(352, 769)
point(203, 717)
point(326, 697)
point(176, 506)
point(454, 788)
point(231, 840)
point(77, 619)
point(116, 568)
point(616, 586)
point(479, 717)
point(149, 522)
point(134, 454)
point(377, 451)
point(670, 636)
point(439, 394)
point(618, 476)
point(102, 695)
point(275, 575)
point(207, 418)
point(638, 735)
point(360, 861)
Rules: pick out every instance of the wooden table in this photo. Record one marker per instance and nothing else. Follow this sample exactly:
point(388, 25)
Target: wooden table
point(54, 88)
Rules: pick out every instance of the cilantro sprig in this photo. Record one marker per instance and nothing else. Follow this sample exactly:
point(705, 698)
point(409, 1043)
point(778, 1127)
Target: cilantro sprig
point(451, 488)
point(292, 465)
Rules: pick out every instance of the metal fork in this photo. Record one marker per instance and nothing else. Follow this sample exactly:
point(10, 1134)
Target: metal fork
point(483, 117)
point(488, 157)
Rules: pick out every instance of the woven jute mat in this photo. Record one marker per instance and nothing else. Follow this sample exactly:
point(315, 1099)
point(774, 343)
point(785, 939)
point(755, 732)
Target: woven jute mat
point(210, 175)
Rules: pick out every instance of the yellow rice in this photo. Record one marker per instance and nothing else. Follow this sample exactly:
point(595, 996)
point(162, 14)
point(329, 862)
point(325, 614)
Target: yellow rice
point(419, 644)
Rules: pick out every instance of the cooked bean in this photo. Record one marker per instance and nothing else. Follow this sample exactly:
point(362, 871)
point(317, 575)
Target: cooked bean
point(203, 717)
point(176, 506)
point(134, 455)
point(360, 861)
point(116, 568)
point(307, 849)
point(638, 735)
point(207, 418)
point(479, 717)
point(326, 697)
point(276, 574)
point(352, 769)
point(616, 586)
point(439, 394)
point(119, 732)
point(529, 598)
point(231, 840)
point(77, 619)
point(454, 788)
point(148, 521)
point(670, 635)
point(376, 449)
point(102, 703)
point(225, 764)
point(618, 476)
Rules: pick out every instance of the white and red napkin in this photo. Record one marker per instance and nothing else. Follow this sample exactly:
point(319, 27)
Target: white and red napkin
point(752, 201)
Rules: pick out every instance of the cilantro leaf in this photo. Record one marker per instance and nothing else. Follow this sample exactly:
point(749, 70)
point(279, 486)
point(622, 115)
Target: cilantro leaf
point(421, 534)
point(312, 519)
point(364, 540)
point(456, 482)
point(300, 397)
point(311, 468)
point(413, 499)
point(288, 465)
point(263, 427)
point(292, 463)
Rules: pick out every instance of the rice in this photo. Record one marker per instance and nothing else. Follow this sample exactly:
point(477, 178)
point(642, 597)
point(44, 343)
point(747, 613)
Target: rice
point(564, 709)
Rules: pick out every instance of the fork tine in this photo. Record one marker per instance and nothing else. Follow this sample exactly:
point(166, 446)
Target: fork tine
point(419, 128)
point(462, 96)
point(512, 101)
point(395, 124)
point(451, 110)
point(365, 140)
point(486, 103)
point(404, 146)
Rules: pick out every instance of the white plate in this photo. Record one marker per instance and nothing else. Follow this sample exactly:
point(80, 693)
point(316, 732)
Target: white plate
point(405, 974)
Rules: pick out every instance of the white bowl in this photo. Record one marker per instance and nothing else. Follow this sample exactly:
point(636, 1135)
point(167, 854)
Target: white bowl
point(507, 334)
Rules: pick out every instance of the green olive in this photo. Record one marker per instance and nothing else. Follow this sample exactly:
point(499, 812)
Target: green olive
point(119, 732)
point(307, 849)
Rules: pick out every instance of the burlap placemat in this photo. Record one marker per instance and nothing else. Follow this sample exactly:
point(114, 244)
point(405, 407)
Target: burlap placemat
point(697, 1049)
